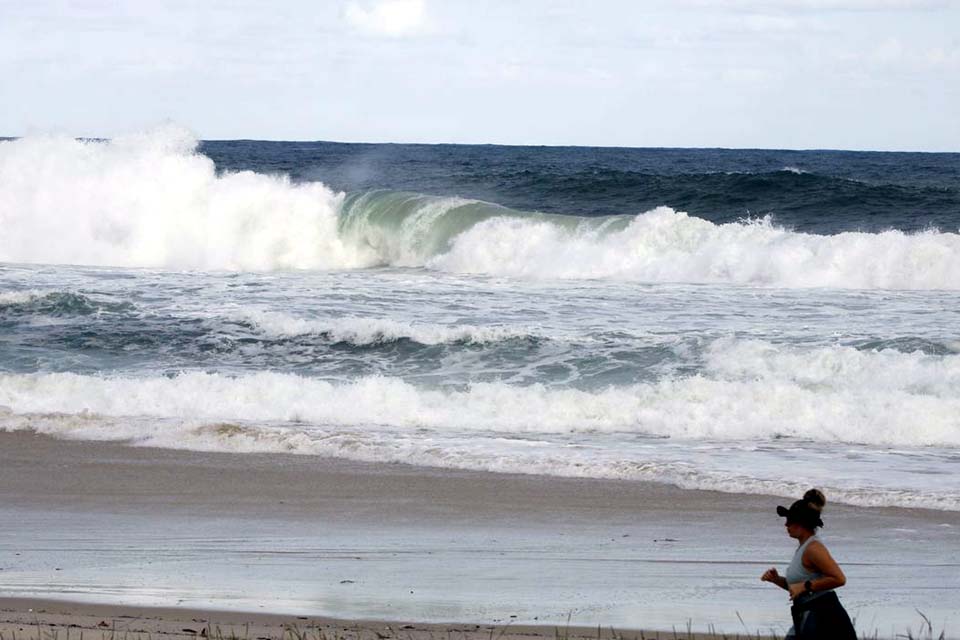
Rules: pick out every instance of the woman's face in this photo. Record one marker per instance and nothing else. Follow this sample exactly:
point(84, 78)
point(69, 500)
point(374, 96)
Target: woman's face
point(795, 530)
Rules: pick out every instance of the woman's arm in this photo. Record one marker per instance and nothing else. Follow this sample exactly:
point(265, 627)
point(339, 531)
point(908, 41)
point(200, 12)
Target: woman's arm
point(816, 557)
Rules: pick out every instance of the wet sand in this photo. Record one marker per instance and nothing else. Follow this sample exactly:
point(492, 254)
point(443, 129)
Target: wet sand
point(301, 536)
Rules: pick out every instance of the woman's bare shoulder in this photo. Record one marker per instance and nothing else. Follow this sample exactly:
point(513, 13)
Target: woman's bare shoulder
point(816, 550)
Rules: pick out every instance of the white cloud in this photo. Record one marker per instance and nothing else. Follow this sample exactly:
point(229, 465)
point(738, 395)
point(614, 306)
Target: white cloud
point(388, 17)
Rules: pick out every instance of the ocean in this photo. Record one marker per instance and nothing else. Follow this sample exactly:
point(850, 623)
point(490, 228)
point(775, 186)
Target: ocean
point(747, 321)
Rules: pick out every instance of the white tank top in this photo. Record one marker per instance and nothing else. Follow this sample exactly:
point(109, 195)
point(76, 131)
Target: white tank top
point(796, 572)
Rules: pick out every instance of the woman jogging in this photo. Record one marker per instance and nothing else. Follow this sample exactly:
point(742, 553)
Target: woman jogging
point(812, 576)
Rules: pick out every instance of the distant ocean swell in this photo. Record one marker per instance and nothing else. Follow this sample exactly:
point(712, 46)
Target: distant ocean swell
point(152, 201)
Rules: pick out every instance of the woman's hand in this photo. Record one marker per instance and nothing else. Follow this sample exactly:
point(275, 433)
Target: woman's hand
point(771, 575)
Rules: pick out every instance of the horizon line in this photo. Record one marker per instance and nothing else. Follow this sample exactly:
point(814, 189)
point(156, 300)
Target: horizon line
point(523, 145)
point(578, 146)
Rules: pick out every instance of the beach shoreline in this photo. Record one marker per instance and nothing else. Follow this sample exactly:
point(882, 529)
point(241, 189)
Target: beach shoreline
point(336, 541)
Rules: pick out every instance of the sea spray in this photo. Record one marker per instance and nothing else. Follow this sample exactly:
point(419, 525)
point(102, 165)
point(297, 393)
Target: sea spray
point(151, 200)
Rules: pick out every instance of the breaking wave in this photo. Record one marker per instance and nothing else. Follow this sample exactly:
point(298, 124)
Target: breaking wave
point(668, 246)
point(153, 201)
point(748, 390)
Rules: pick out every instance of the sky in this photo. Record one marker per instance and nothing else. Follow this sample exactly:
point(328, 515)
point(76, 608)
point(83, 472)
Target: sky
point(799, 74)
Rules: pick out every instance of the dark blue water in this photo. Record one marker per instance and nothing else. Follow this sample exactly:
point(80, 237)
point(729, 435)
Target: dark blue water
point(811, 191)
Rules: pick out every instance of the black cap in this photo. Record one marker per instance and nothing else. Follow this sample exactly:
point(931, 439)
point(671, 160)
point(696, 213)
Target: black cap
point(801, 513)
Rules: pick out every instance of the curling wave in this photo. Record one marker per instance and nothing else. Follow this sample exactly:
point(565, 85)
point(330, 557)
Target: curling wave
point(152, 200)
point(663, 245)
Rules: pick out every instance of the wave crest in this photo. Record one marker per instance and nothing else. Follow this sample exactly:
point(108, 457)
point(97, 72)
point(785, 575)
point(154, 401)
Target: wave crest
point(151, 200)
point(668, 246)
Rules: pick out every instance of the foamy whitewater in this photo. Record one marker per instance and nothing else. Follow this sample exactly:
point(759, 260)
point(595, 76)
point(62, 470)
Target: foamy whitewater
point(385, 304)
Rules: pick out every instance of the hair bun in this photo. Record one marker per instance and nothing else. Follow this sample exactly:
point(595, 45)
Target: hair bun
point(815, 499)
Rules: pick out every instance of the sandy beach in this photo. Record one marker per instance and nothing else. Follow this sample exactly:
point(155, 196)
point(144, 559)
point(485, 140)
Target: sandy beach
point(38, 619)
point(116, 526)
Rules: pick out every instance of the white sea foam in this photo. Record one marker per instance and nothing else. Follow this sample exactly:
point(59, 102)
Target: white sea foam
point(151, 201)
point(668, 246)
point(836, 369)
point(366, 331)
point(749, 391)
point(20, 297)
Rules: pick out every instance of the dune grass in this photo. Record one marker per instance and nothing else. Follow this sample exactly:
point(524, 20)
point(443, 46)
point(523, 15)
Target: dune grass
point(208, 631)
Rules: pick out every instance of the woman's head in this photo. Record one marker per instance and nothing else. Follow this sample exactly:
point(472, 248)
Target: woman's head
point(804, 514)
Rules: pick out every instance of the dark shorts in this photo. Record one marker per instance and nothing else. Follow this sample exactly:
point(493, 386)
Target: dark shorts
point(821, 618)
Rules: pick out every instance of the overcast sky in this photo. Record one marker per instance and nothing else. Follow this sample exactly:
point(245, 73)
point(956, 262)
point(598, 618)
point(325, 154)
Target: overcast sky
point(847, 74)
